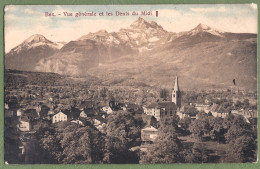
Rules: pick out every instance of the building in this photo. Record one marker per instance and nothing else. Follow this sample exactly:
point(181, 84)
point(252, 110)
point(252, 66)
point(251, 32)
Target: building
point(59, 117)
point(165, 108)
point(99, 122)
point(250, 115)
point(38, 109)
point(114, 105)
point(83, 114)
point(149, 134)
point(24, 124)
point(246, 113)
point(50, 115)
point(6, 106)
point(77, 122)
point(150, 120)
point(153, 110)
point(218, 111)
point(161, 109)
point(202, 107)
point(122, 106)
point(21, 149)
point(188, 111)
point(207, 101)
point(176, 94)
point(107, 109)
point(19, 112)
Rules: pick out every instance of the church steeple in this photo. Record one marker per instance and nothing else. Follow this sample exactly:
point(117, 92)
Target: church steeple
point(176, 86)
point(176, 93)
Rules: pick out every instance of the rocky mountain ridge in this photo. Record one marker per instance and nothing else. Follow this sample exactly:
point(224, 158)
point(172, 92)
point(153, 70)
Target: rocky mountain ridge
point(143, 52)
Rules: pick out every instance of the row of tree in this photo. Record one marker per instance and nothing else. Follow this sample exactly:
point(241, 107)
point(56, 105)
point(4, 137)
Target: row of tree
point(232, 130)
point(70, 143)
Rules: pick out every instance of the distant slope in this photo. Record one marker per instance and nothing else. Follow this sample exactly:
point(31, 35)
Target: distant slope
point(208, 65)
point(17, 78)
point(76, 57)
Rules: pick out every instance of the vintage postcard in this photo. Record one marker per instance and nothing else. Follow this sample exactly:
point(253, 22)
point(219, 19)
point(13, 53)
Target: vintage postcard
point(130, 84)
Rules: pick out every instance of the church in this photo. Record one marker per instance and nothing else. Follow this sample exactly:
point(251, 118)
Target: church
point(164, 109)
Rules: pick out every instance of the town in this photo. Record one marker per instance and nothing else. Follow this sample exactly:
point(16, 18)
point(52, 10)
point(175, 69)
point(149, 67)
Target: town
point(63, 120)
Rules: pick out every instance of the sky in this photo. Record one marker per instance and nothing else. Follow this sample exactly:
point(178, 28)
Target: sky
point(22, 21)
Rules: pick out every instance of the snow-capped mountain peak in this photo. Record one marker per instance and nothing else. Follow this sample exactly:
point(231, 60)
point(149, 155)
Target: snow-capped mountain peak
point(202, 27)
point(36, 38)
point(27, 54)
point(142, 34)
point(92, 36)
point(141, 23)
point(205, 28)
point(33, 41)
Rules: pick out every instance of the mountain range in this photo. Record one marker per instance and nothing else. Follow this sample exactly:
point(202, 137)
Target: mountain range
point(145, 53)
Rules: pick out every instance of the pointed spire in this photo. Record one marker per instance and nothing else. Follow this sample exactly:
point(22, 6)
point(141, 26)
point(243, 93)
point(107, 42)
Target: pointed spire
point(176, 86)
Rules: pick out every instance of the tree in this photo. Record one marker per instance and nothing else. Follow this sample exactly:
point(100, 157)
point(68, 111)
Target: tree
point(71, 143)
point(166, 149)
point(241, 139)
point(200, 126)
point(237, 126)
point(243, 149)
point(81, 145)
point(103, 93)
point(12, 141)
point(185, 123)
point(164, 93)
point(228, 105)
point(196, 129)
point(238, 104)
point(123, 132)
point(202, 115)
point(217, 130)
point(246, 104)
point(167, 146)
point(198, 154)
